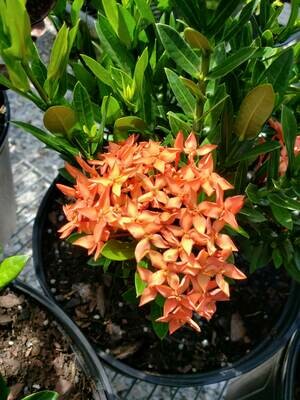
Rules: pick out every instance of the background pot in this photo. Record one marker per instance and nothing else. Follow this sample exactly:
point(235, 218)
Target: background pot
point(7, 198)
point(88, 360)
point(262, 353)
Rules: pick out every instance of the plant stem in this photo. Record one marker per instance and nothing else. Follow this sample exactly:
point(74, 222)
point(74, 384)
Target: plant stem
point(35, 83)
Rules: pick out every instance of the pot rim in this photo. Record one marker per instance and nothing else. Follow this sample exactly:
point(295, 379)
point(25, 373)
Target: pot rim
point(88, 359)
point(289, 366)
point(278, 337)
point(4, 128)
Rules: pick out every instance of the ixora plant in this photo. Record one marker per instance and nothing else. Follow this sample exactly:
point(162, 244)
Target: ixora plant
point(168, 204)
point(151, 201)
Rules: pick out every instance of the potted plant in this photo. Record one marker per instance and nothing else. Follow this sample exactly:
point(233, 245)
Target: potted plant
point(41, 335)
point(227, 103)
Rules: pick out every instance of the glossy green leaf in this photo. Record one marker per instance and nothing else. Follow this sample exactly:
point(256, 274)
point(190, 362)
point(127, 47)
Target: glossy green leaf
point(193, 88)
point(112, 44)
point(178, 50)
point(263, 148)
point(253, 214)
point(194, 12)
point(10, 268)
point(111, 12)
point(197, 40)
point(39, 70)
point(58, 54)
point(231, 62)
point(4, 390)
point(139, 284)
point(283, 216)
point(281, 200)
point(98, 70)
point(83, 106)
point(75, 10)
point(56, 143)
point(140, 68)
point(255, 109)
point(178, 124)
point(289, 129)
point(113, 110)
point(244, 17)
point(125, 124)
point(59, 119)
point(145, 10)
point(126, 26)
point(224, 10)
point(184, 97)
point(118, 251)
point(44, 395)
point(160, 328)
point(278, 73)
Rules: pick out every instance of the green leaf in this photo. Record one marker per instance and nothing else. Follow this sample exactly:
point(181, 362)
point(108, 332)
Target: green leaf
point(75, 10)
point(281, 200)
point(177, 124)
point(224, 10)
point(139, 284)
point(125, 124)
point(98, 70)
point(10, 268)
point(118, 251)
point(289, 128)
point(261, 257)
point(231, 62)
point(110, 110)
point(44, 395)
point(126, 26)
point(83, 106)
point(244, 17)
point(160, 328)
point(278, 73)
point(58, 56)
point(253, 214)
point(277, 258)
point(59, 119)
point(256, 151)
point(194, 12)
point(4, 390)
point(111, 12)
point(139, 72)
point(178, 50)
point(112, 45)
point(193, 88)
point(196, 40)
point(130, 296)
point(53, 142)
point(185, 99)
point(145, 10)
point(255, 109)
point(283, 216)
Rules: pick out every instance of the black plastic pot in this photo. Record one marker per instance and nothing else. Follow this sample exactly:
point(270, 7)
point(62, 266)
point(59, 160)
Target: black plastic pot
point(87, 358)
point(39, 9)
point(277, 339)
point(7, 198)
point(289, 369)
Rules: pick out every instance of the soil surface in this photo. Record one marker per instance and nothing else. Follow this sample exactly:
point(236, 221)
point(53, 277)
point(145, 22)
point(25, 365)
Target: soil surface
point(97, 303)
point(34, 355)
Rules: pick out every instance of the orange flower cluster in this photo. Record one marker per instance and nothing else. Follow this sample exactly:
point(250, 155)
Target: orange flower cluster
point(152, 193)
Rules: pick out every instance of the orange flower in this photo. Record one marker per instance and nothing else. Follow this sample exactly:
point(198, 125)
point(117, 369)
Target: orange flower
point(141, 190)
